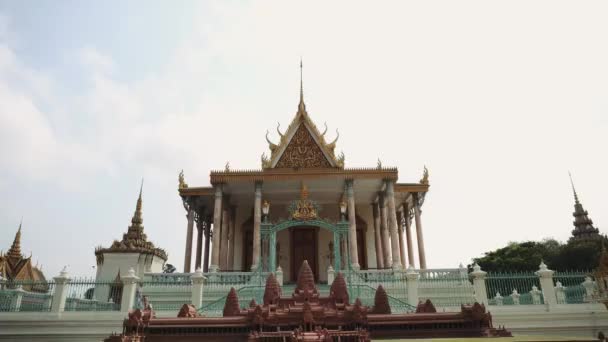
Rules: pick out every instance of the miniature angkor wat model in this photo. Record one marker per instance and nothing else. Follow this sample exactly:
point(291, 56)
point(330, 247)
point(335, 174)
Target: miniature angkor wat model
point(308, 316)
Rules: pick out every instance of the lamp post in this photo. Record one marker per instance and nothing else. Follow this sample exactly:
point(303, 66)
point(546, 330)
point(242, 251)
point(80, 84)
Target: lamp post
point(343, 210)
point(265, 210)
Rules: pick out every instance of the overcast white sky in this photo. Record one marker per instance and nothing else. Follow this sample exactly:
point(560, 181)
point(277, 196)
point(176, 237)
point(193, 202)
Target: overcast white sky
point(498, 98)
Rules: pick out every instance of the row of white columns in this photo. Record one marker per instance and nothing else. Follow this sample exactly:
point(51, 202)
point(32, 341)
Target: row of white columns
point(390, 249)
point(389, 229)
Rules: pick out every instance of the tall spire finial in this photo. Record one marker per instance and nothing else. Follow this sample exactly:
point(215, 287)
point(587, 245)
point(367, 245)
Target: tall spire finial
point(573, 189)
point(137, 220)
point(301, 106)
point(15, 250)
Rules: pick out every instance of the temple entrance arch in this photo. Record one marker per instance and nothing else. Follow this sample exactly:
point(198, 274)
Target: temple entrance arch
point(269, 232)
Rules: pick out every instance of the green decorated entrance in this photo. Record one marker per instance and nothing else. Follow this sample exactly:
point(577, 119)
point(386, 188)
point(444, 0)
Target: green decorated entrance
point(269, 232)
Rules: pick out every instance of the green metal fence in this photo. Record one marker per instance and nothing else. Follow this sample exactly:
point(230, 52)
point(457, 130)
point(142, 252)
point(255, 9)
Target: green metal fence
point(572, 291)
point(245, 294)
point(447, 289)
point(86, 294)
point(163, 295)
point(500, 288)
point(26, 296)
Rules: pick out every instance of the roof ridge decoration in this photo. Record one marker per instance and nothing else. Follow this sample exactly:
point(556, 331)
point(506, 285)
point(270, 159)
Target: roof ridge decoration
point(302, 145)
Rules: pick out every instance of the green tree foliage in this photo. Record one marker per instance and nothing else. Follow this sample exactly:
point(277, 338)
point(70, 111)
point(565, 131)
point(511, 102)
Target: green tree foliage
point(526, 256)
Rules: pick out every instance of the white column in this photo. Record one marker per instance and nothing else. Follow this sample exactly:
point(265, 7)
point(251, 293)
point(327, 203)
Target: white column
point(224, 239)
point(279, 275)
point(545, 276)
point(560, 293)
point(386, 242)
point(189, 233)
point(217, 223)
point(412, 277)
point(352, 225)
point(401, 242)
point(479, 285)
point(129, 284)
point(198, 283)
point(417, 213)
point(232, 237)
point(392, 220)
point(257, 221)
point(378, 236)
point(61, 291)
point(331, 273)
point(408, 236)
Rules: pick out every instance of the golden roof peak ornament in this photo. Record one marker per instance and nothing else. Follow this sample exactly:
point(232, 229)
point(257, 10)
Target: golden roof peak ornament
point(425, 176)
point(182, 182)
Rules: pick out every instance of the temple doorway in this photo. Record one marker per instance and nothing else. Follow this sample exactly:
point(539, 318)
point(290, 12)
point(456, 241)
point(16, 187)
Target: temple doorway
point(304, 247)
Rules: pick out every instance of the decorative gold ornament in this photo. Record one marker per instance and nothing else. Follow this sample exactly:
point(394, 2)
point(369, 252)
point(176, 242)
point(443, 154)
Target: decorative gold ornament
point(182, 182)
point(305, 209)
point(425, 176)
point(303, 152)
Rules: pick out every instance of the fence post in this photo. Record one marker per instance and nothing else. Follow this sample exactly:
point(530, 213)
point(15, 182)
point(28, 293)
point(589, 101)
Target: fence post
point(61, 291)
point(198, 282)
point(589, 286)
point(515, 296)
point(560, 293)
point(498, 299)
point(2, 282)
point(128, 290)
point(545, 276)
point(17, 298)
point(330, 275)
point(479, 285)
point(279, 274)
point(412, 277)
point(535, 293)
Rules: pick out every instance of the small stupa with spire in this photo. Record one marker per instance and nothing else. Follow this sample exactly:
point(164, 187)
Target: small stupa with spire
point(134, 250)
point(583, 225)
point(16, 266)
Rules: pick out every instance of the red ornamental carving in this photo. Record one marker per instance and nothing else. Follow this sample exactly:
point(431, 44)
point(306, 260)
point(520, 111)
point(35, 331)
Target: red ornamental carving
point(303, 152)
point(338, 290)
point(231, 308)
point(311, 317)
point(381, 305)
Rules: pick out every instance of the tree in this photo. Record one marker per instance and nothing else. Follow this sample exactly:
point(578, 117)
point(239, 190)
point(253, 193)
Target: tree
point(526, 256)
point(169, 268)
point(519, 256)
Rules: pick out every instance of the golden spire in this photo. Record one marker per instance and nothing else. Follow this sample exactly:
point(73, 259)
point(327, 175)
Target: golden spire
point(301, 105)
point(15, 250)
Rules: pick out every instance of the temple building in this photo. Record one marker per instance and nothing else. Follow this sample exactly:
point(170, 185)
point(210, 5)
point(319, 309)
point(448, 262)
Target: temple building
point(304, 204)
point(15, 266)
point(583, 226)
point(133, 251)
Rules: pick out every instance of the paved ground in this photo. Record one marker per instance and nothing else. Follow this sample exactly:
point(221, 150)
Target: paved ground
point(503, 339)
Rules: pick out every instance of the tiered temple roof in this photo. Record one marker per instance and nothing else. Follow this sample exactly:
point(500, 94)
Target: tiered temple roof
point(583, 225)
point(15, 266)
point(134, 240)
